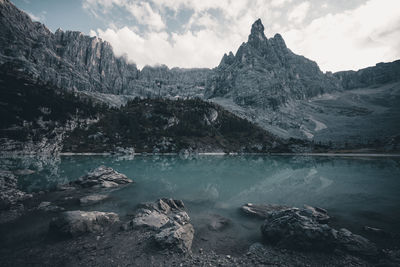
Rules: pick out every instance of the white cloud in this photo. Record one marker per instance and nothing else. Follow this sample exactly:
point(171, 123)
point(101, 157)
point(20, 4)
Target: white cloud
point(143, 12)
point(352, 39)
point(299, 13)
point(41, 17)
point(279, 3)
point(203, 48)
point(33, 17)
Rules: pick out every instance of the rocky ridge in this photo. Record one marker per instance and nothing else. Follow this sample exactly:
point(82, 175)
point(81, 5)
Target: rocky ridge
point(265, 73)
point(74, 61)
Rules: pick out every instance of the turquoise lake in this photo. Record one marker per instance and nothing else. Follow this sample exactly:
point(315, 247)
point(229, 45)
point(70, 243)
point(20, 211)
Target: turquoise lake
point(356, 191)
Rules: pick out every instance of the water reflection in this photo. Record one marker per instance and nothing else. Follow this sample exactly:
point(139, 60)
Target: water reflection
point(357, 191)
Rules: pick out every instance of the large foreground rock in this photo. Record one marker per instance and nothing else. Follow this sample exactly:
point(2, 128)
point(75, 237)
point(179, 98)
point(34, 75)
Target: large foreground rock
point(102, 177)
point(289, 228)
point(169, 221)
point(297, 229)
point(75, 223)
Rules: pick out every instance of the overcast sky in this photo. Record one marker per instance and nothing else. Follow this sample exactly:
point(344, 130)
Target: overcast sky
point(338, 35)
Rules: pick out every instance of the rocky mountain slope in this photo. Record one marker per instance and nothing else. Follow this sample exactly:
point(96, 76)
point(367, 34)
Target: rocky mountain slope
point(37, 119)
point(71, 60)
point(289, 96)
point(265, 73)
point(264, 82)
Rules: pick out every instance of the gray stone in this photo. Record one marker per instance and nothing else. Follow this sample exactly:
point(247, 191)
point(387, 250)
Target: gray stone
point(289, 228)
point(75, 223)
point(169, 222)
point(292, 228)
point(177, 237)
point(102, 177)
point(264, 210)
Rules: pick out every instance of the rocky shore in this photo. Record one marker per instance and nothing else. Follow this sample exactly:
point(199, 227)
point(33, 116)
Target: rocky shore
point(161, 233)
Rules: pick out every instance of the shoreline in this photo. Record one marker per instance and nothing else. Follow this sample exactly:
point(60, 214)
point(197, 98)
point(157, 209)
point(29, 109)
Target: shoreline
point(332, 154)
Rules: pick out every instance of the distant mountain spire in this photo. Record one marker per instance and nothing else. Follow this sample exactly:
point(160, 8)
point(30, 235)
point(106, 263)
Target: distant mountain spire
point(257, 36)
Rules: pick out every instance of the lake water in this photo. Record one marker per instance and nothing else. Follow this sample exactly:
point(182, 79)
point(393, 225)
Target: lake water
point(355, 191)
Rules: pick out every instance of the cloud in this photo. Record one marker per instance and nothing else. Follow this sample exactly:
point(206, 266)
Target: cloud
point(144, 14)
point(202, 48)
point(41, 17)
point(348, 39)
point(142, 11)
point(299, 13)
point(352, 39)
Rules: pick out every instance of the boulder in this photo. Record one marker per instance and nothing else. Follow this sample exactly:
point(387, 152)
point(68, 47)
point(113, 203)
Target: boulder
point(290, 228)
point(263, 210)
point(150, 218)
point(92, 199)
point(295, 228)
point(177, 237)
point(102, 177)
point(168, 221)
point(75, 223)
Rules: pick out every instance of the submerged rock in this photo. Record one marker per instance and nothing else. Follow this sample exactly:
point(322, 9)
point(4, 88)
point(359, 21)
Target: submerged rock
point(75, 223)
point(218, 222)
point(102, 177)
point(92, 199)
point(49, 207)
point(261, 210)
point(169, 221)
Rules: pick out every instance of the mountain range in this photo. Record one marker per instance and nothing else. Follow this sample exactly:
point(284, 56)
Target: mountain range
point(264, 82)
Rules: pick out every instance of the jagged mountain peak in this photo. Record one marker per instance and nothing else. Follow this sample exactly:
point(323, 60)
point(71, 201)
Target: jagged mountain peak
point(257, 37)
point(265, 73)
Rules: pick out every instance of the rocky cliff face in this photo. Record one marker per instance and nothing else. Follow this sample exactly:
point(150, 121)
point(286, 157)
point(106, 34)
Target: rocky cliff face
point(380, 74)
point(265, 73)
point(67, 60)
point(71, 60)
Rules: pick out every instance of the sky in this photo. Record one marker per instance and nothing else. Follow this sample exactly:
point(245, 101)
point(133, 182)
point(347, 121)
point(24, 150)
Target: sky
point(338, 35)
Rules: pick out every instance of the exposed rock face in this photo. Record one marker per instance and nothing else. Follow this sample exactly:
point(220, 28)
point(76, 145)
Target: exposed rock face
point(75, 223)
point(265, 73)
point(10, 194)
point(169, 221)
point(102, 177)
point(68, 60)
point(380, 74)
point(295, 228)
point(71, 60)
